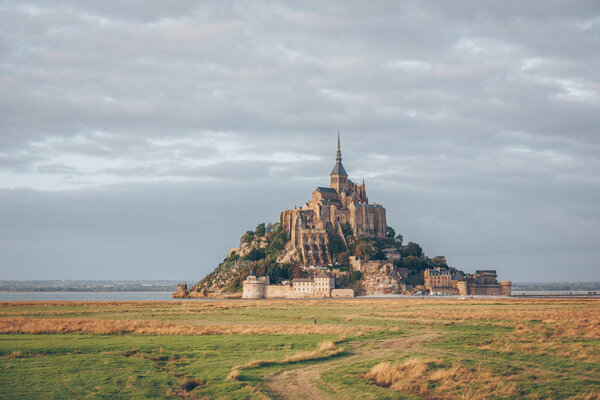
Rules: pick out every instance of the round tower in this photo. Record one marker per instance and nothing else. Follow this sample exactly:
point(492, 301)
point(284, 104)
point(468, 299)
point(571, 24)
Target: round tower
point(254, 288)
point(506, 287)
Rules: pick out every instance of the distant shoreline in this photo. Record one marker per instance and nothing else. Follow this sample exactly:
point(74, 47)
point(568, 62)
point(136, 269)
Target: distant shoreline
point(166, 296)
point(116, 286)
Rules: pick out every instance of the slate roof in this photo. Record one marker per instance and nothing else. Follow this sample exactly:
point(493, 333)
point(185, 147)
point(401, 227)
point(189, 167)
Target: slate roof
point(338, 169)
point(326, 190)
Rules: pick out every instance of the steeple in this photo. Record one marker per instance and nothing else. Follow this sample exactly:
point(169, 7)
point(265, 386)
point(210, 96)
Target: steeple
point(338, 179)
point(338, 157)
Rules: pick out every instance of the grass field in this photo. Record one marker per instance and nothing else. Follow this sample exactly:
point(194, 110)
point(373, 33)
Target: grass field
point(367, 349)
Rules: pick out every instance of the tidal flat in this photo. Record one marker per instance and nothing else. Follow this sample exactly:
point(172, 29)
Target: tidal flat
point(277, 349)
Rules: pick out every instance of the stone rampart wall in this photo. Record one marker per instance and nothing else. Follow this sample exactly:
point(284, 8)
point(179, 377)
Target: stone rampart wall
point(278, 291)
point(484, 290)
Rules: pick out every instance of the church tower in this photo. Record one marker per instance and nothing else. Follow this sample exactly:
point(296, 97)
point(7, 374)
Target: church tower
point(338, 179)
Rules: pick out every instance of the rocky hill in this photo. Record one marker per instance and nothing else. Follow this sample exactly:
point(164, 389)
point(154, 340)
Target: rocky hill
point(388, 266)
point(263, 251)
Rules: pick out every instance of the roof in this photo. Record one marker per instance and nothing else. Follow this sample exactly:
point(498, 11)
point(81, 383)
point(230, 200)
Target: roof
point(441, 272)
point(326, 190)
point(338, 169)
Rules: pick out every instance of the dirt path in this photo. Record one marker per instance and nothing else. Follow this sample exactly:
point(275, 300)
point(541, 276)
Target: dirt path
point(298, 383)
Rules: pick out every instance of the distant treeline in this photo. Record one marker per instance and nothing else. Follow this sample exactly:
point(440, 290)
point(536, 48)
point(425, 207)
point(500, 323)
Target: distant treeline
point(573, 286)
point(87, 286)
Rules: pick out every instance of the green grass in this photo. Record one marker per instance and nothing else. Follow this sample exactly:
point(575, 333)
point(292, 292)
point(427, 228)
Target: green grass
point(133, 366)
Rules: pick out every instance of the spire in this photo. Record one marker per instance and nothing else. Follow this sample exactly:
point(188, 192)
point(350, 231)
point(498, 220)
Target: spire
point(338, 157)
point(338, 169)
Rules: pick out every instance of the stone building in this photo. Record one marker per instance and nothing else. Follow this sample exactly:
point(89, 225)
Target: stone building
point(483, 283)
point(437, 279)
point(330, 209)
point(320, 285)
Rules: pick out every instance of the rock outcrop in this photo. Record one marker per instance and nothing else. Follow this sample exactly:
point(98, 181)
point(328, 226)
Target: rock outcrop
point(380, 277)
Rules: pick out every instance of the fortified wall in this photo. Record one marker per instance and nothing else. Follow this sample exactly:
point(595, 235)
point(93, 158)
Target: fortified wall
point(319, 285)
point(482, 283)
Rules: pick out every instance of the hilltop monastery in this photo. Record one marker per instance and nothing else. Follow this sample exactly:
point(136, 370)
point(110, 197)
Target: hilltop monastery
point(342, 206)
point(329, 209)
point(343, 202)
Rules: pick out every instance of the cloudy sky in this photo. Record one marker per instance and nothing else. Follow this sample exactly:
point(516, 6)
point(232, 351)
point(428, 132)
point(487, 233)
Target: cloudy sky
point(139, 140)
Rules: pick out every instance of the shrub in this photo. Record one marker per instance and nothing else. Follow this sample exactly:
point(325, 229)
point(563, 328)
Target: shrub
point(255, 255)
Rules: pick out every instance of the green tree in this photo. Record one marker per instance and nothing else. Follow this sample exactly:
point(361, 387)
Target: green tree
point(347, 230)
point(390, 232)
point(255, 254)
point(248, 237)
point(399, 239)
point(336, 244)
point(412, 249)
point(261, 230)
point(412, 262)
point(439, 262)
point(378, 255)
point(364, 249)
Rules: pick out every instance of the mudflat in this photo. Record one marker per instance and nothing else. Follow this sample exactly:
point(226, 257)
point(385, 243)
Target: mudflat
point(276, 349)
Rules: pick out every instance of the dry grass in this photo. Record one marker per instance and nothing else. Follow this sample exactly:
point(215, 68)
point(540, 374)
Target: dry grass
point(105, 327)
point(428, 379)
point(564, 334)
point(324, 350)
point(590, 396)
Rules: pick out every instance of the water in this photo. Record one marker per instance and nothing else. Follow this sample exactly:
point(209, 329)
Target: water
point(554, 292)
point(85, 296)
point(166, 296)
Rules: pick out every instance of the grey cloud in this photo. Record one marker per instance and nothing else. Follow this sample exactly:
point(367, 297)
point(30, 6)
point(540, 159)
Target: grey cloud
point(474, 122)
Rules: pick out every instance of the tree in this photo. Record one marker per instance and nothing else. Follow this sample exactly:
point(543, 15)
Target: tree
point(390, 232)
point(260, 230)
point(439, 262)
point(336, 244)
point(248, 237)
point(399, 239)
point(364, 249)
point(347, 230)
point(412, 262)
point(412, 249)
point(255, 254)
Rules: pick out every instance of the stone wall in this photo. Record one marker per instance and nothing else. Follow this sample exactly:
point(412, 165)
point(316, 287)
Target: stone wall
point(315, 248)
point(368, 219)
point(278, 291)
point(366, 265)
point(484, 290)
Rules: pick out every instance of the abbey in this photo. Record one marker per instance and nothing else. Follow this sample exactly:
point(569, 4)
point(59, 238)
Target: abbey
point(331, 209)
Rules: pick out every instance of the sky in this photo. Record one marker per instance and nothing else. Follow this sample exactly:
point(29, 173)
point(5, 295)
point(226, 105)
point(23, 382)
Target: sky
point(141, 139)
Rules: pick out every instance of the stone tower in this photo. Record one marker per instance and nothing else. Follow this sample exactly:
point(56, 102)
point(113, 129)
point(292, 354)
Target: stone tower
point(338, 179)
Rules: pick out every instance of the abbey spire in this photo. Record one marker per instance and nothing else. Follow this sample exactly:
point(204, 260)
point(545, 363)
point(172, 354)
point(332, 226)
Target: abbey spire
point(338, 179)
point(338, 157)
